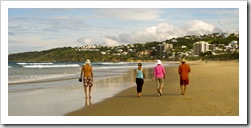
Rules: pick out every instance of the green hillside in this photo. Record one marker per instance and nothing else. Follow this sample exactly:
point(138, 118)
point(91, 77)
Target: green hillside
point(130, 52)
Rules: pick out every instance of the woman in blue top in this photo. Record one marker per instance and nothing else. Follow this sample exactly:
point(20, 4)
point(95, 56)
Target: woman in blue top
point(139, 76)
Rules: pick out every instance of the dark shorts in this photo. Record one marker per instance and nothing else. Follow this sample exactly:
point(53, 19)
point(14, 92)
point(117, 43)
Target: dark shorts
point(184, 82)
point(88, 81)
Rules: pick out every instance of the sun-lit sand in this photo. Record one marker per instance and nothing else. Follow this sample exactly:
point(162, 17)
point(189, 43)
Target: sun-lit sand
point(213, 91)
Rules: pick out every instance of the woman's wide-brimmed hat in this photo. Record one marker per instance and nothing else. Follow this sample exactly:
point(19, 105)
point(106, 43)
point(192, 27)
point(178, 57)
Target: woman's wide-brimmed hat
point(158, 62)
point(183, 60)
point(88, 61)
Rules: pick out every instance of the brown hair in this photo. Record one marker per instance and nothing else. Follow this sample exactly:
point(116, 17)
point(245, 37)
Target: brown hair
point(139, 64)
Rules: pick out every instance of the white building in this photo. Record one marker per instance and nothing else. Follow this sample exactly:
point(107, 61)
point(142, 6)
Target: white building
point(103, 53)
point(167, 47)
point(183, 46)
point(200, 47)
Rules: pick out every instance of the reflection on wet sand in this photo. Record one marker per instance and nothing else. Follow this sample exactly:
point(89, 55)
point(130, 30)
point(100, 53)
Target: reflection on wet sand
point(87, 102)
point(110, 85)
point(121, 80)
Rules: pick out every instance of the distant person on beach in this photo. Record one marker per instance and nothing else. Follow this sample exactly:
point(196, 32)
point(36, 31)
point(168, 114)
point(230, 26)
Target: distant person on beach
point(87, 78)
point(139, 76)
point(159, 76)
point(184, 70)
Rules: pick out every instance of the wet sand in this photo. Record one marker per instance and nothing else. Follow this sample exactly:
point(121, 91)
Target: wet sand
point(213, 91)
point(55, 98)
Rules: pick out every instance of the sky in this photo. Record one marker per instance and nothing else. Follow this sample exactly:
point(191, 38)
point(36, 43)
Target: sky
point(36, 29)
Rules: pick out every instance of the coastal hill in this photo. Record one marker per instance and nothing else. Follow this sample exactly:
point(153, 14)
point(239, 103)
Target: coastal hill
point(133, 52)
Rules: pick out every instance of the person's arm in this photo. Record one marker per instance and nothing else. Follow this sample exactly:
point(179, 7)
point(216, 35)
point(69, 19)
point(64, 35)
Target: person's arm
point(81, 73)
point(91, 73)
point(164, 73)
point(134, 75)
point(144, 75)
point(179, 70)
point(154, 74)
point(189, 69)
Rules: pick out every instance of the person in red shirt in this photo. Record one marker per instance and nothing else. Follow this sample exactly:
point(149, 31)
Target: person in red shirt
point(184, 70)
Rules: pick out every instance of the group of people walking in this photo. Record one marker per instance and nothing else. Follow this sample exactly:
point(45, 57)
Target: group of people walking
point(159, 74)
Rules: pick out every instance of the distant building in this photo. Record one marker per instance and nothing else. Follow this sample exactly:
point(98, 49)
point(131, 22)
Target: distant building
point(187, 37)
point(232, 46)
point(130, 50)
point(103, 53)
point(174, 40)
point(167, 47)
point(159, 51)
point(225, 35)
point(233, 43)
point(125, 53)
point(86, 49)
point(162, 50)
point(183, 46)
point(200, 47)
point(119, 50)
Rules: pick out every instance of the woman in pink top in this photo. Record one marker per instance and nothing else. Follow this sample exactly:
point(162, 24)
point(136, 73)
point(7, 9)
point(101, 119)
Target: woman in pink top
point(159, 76)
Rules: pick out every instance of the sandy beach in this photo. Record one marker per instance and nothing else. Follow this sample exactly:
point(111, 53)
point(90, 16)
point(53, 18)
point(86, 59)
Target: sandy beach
point(213, 91)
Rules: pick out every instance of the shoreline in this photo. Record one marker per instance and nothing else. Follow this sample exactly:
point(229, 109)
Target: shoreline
point(45, 98)
point(211, 93)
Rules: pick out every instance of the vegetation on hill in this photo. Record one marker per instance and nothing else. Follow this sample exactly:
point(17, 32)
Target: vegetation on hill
point(69, 54)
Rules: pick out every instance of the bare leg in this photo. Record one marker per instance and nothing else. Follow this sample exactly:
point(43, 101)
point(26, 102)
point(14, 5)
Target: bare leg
point(85, 89)
point(160, 89)
point(182, 89)
point(86, 102)
point(90, 89)
point(185, 88)
point(157, 86)
point(90, 102)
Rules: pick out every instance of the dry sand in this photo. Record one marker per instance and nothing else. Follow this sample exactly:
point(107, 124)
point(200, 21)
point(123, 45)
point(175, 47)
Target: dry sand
point(213, 91)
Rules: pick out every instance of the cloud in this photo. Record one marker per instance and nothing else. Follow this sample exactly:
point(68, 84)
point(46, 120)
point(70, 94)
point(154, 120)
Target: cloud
point(197, 27)
point(129, 14)
point(18, 46)
point(85, 41)
point(14, 42)
point(60, 23)
point(110, 42)
point(162, 32)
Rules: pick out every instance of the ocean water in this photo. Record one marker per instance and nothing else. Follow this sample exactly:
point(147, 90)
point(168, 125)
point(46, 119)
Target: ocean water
point(53, 89)
point(35, 72)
